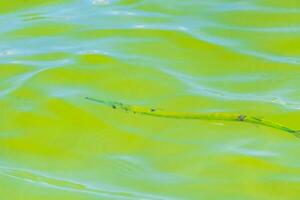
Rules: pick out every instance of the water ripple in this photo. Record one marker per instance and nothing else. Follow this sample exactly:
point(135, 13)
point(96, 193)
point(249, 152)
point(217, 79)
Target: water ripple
point(47, 181)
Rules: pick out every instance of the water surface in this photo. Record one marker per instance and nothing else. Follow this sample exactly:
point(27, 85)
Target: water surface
point(192, 56)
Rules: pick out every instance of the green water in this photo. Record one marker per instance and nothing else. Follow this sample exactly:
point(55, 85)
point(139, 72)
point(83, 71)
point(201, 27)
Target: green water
point(184, 56)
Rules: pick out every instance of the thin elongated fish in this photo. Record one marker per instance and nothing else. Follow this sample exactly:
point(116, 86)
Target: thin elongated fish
point(200, 116)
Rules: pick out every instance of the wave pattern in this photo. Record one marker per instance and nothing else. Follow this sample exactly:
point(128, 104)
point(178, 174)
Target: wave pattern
point(208, 56)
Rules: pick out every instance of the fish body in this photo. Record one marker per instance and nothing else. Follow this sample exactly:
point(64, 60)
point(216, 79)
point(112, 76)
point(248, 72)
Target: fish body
point(198, 116)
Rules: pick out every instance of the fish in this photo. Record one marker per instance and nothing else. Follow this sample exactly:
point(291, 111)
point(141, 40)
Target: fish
point(216, 116)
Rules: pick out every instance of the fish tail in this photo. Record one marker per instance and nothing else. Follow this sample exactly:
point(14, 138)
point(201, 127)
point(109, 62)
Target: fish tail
point(296, 133)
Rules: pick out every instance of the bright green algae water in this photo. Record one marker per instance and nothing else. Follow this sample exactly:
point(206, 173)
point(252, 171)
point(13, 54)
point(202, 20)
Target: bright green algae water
point(186, 56)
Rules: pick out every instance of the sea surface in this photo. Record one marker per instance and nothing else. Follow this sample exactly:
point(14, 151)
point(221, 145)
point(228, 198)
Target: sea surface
point(232, 56)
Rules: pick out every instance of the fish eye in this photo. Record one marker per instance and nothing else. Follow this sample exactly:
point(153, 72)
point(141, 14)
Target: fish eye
point(113, 106)
point(242, 117)
point(152, 110)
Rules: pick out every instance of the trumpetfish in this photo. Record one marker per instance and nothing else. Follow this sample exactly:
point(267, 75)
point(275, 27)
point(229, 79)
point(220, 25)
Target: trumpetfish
point(200, 116)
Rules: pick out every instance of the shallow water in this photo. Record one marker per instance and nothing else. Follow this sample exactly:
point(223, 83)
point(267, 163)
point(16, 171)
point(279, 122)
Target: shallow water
point(192, 56)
